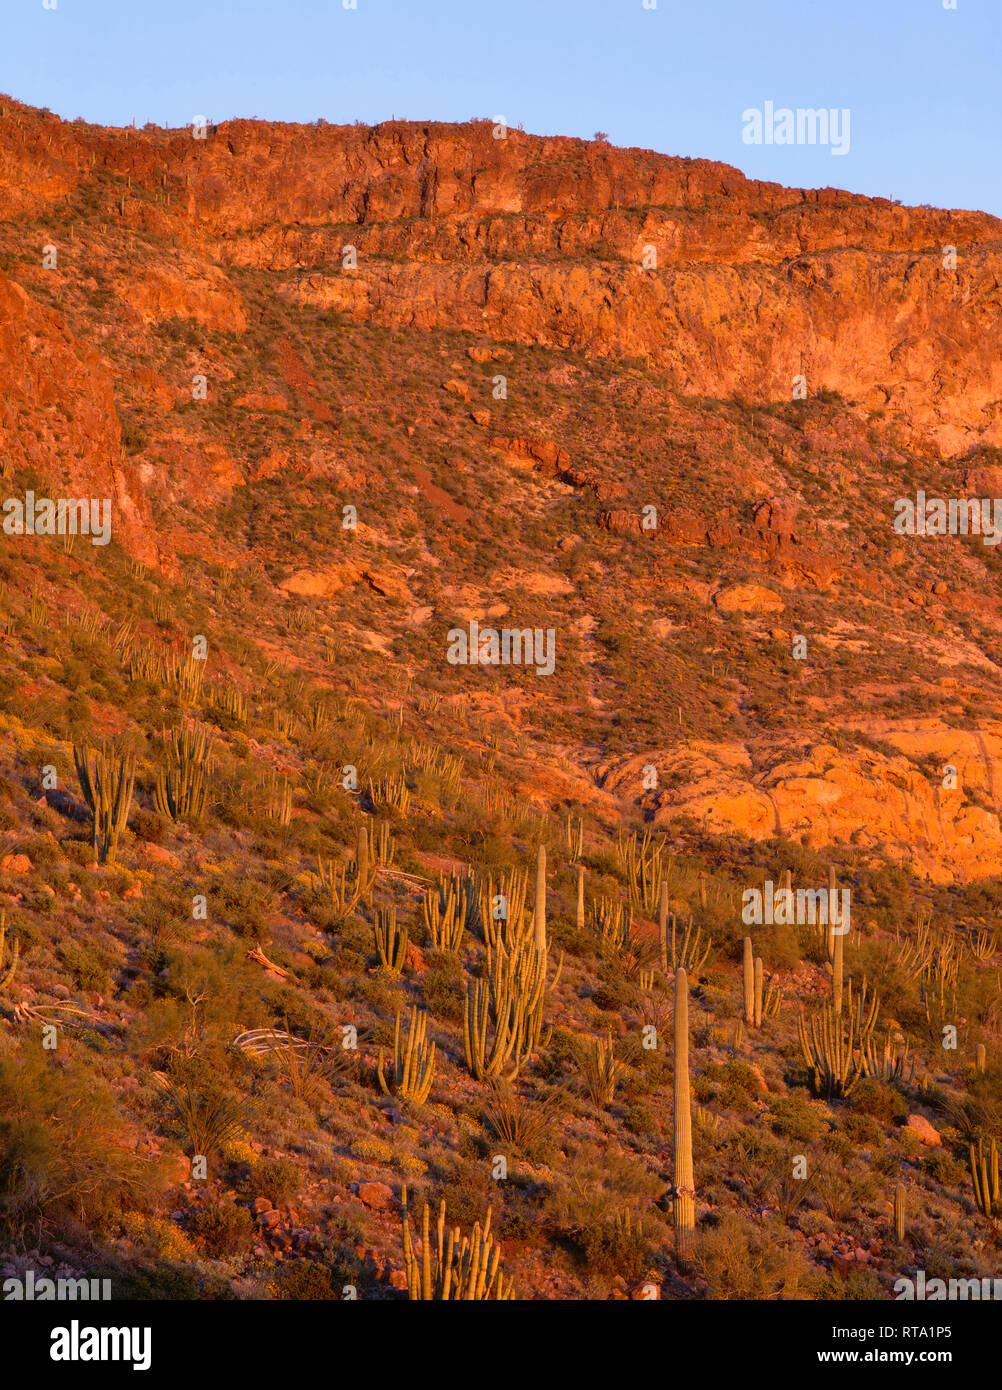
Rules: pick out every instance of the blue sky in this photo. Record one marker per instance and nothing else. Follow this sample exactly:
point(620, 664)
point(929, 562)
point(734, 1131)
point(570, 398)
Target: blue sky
point(922, 83)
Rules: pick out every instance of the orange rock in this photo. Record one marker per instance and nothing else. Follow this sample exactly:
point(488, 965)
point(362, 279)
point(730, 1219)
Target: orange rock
point(920, 1128)
point(16, 864)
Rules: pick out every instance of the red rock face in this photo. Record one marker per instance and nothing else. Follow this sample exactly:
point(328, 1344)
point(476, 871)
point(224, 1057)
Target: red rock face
point(543, 241)
point(57, 416)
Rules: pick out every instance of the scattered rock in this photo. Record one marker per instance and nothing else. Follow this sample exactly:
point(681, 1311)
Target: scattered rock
point(923, 1131)
point(377, 1196)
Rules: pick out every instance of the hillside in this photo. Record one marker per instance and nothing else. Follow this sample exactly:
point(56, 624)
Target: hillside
point(350, 390)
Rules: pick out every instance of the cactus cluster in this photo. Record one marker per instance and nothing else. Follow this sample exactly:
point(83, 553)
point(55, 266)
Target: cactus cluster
point(413, 1062)
point(838, 1048)
point(106, 780)
point(462, 1268)
point(182, 785)
point(985, 1176)
point(679, 951)
point(391, 939)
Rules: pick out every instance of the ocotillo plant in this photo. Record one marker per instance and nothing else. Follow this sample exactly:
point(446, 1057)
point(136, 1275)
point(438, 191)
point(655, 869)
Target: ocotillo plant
point(539, 910)
point(685, 1196)
point(413, 1065)
point(106, 782)
point(748, 980)
point(900, 1213)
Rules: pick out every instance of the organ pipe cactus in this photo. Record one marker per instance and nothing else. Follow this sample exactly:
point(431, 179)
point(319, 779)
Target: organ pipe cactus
point(685, 1197)
point(461, 1269)
point(985, 1176)
point(445, 916)
point(838, 1049)
point(182, 785)
point(413, 1065)
point(391, 939)
point(679, 951)
point(748, 981)
point(106, 781)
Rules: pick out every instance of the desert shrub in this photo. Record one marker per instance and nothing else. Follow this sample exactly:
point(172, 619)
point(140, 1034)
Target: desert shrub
point(222, 1228)
point(740, 1260)
point(878, 1099)
point(793, 1118)
point(860, 1129)
point(278, 1179)
point(64, 1159)
point(305, 1281)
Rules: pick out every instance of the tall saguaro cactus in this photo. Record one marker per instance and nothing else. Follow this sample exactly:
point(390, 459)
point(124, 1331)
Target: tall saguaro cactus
point(759, 972)
point(539, 911)
point(837, 968)
point(685, 1196)
point(106, 782)
point(581, 900)
point(900, 1213)
point(748, 978)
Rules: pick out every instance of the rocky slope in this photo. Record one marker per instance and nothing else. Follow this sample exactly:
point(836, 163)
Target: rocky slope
point(320, 472)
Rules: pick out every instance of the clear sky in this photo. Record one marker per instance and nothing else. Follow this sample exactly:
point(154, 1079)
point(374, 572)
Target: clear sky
point(922, 83)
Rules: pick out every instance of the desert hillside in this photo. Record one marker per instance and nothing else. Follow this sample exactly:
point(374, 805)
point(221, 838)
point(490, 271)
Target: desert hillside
point(354, 394)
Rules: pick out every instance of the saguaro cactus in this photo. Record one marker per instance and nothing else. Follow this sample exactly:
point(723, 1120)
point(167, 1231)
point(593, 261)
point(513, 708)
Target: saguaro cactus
point(980, 1057)
point(106, 782)
point(362, 861)
point(539, 910)
point(900, 1212)
point(748, 976)
point(581, 900)
point(758, 991)
point(837, 966)
point(685, 1196)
